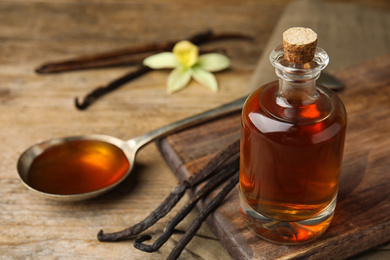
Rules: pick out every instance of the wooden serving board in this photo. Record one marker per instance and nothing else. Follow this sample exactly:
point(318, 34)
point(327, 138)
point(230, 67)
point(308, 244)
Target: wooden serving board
point(362, 217)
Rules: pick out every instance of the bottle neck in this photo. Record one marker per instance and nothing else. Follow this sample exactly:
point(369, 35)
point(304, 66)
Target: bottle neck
point(296, 93)
point(297, 82)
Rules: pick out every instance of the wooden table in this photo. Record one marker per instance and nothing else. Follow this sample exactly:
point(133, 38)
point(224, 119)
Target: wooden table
point(39, 107)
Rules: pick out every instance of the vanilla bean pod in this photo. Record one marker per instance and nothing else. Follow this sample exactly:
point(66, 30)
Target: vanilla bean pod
point(94, 63)
point(126, 56)
point(204, 213)
point(157, 214)
point(95, 94)
point(220, 158)
point(87, 62)
point(224, 174)
point(174, 197)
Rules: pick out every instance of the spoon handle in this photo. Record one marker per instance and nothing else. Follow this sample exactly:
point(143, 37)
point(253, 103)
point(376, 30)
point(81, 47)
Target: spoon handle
point(187, 122)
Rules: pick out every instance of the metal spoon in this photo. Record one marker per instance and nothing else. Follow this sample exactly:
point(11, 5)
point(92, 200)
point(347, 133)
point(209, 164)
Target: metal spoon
point(129, 148)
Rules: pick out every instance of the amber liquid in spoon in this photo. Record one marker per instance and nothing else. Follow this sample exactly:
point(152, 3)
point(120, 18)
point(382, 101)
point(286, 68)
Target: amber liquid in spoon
point(78, 166)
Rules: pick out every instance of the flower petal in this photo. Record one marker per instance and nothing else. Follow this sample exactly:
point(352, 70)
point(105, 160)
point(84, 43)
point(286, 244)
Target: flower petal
point(164, 60)
point(178, 79)
point(205, 78)
point(213, 62)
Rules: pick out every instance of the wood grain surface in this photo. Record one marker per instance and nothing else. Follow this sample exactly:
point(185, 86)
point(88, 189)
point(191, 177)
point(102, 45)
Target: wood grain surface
point(362, 218)
point(39, 107)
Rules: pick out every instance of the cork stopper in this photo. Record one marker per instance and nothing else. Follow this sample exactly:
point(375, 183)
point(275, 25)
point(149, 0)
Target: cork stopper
point(299, 45)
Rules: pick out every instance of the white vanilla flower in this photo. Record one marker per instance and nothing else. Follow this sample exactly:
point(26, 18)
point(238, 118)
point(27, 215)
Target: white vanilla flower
point(187, 64)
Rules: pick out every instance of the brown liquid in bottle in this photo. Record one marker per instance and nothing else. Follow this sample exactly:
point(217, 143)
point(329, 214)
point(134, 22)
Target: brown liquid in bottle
point(77, 167)
point(290, 155)
point(292, 142)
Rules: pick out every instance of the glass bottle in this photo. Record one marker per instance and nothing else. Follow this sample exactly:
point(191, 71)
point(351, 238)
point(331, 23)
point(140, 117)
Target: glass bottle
point(292, 142)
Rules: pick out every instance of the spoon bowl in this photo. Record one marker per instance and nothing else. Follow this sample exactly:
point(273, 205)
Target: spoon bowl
point(31, 154)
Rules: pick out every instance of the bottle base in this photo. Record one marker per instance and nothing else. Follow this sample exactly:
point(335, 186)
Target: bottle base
point(283, 232)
